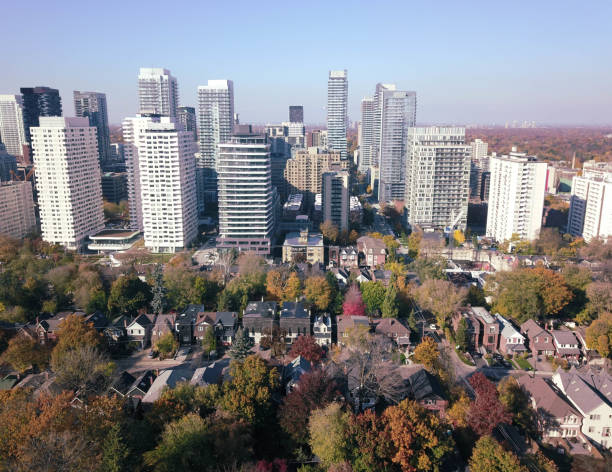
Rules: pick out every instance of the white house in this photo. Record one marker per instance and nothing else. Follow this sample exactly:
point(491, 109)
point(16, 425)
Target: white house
point(322, 330)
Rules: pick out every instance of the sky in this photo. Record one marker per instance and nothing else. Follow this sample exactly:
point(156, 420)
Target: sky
point(470, 62)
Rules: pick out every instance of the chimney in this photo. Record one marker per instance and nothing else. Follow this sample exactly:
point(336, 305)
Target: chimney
point(262, 298)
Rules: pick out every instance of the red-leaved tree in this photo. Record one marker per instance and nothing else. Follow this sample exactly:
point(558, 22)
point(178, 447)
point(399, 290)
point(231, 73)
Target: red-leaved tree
point(307, 347)
point(277, 465)
point(353, 303)
point(487, 411)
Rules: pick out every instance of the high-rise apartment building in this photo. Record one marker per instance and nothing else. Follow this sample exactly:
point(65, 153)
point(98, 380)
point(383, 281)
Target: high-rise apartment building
point(318, 138)
point(516, 196)
point(157, 92)
point(337, 111)
point(93, 106)
point(296, 114)
point(216, 123)
point(590, 214)
point(8, 165)
point(67, 180)
point(17, 217)
point(396, 112)
point(336, 198)
point(437, 177)
point(480, 149)
point(37, 102)
point(248, 203)
point(12, 131)
point(366, 135)
point(304, 171)
point(478, 168)
point(166, 168)
point(186, 116)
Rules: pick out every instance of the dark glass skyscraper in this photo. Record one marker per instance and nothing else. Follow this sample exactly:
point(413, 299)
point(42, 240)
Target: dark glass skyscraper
point(93, 106)
point(37, 102)
point(296, 113)
point(187, 117)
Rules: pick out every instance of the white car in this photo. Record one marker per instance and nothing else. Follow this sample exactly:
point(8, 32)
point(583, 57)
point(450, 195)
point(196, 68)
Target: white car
point(433, 327)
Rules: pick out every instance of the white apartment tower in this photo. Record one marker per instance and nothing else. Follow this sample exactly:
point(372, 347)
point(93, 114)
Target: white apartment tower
point(516, 196)
point(12, 132)
point(67, 180)
point(590, 214)
point(479, 165)
point(437, 177)
point(337, 111)
point(157, 92)
point(336, 198)
point(395, 113)
point(161, 182)
point(248, 203)
point(366, 136)
point(480, 149)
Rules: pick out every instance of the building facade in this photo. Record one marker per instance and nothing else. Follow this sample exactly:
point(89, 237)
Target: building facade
point(437, 177)
point(366, 135)
point(157, 92)
point(114, 186)
point(37, 102)
point(12, 131)
point(8, 165)
point(93, 106)
point(67, 180)
point(186, 116)
point(296, 114)
point(590, 214)
point(336, 198)
point(17, 217)
point(337, 111)
point(516, 196)
point(248, 203)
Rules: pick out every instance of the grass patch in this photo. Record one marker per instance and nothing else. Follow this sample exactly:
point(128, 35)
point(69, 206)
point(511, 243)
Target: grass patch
point(464, 359)
point(523, 363)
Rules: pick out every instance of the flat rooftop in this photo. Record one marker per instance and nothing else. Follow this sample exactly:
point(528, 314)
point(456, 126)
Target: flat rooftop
point(115, 234)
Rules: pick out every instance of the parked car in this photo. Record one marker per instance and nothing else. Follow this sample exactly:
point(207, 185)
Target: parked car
point(433, 327)
point(152, 354)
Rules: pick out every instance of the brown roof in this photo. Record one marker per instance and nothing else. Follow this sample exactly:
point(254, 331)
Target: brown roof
point(345, 322)
point(546, 398)
point(389, 326)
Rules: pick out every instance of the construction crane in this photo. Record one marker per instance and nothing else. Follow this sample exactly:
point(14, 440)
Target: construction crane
point(454, 220)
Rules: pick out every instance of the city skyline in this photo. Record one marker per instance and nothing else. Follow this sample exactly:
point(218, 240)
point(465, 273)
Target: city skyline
point(520, 71)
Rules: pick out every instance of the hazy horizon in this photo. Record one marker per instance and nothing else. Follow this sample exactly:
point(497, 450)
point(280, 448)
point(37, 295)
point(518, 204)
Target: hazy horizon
point(483, 63)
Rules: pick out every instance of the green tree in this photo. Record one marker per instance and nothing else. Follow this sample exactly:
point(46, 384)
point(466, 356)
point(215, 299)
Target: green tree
point(373, 295)
point(599, 335)
point(489, 456)
point(440, 297)
point(22, 352)
point(328, 430)
point(158, 302)
point(166, 345)
point(241, 346)
point(390, 306)
point(461, 335)
point(318, 292)
point(429, 268)
point(209, 341)
point(115, 453)
point(128, 295)
point(517, 402)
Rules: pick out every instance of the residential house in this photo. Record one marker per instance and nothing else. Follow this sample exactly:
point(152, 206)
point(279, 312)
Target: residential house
point(424, 388)
point(142, 384)
point(383, 276)
point(363, 275)
point(486, 334)
point(346, 323)
point(185, 323)
point(472, 327)
point(394, 329)
point(511, 342)
point(345, 257)
point(223, 322)
point(294, 321)
point(166, 379)
point(122, 384)
point(540, 341)
point(374, 251)
point(566, 344)
point(116, 330)
point(209, 375)
point(139, 330)
point(45, 328)
point(304, 247)
point(556, 418)
point(591, 395)
point(259, 319)
point(163, 325)
point(293, 371)
point(322, 330)
point(342, 276)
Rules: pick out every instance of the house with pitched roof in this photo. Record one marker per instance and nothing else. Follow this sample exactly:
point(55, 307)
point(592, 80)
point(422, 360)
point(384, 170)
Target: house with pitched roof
point(424, 388)
point(566, 344)
point(373, 251)
point(293, 371)
point(294, 321)
point(163, 324)
point(483, 328)
point(346, 323)
point(322, 330)
point(540, 341)
point(394, 329)
point(139, 330)
point(511, 342)
point(259, 319)
point(591, 394)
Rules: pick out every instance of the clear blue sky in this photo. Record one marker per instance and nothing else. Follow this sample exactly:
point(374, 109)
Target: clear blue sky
point(469, 62)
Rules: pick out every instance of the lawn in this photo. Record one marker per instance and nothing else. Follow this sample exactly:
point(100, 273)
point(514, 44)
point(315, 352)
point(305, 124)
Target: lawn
point(522, 363)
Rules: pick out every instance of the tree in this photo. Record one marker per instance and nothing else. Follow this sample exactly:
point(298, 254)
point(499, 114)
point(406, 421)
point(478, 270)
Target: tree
point(391, 244)
point(84, 368)
point(461, 335)
point(353, 303)
point(293, 288)
point(599, 295)
point(419, 437)
point(283, 285)
point(373, 294)
point(115, 453)
point(489, 456)
point(329, 230)
point(185, 445)
point(369, 443)
point(158, 301)
point(327, 427)
point(458, 237)
point(23, 352)
point(427, 353)
point(128, 295)
point(241, 346)
point(486, 411)
point(517, 403)
point(414, 243)
point(429, 268)
point(167, 345)
point(440, 297)
point(249, 263)
point(209, 341)
point(314, 390)
point(476, 296)
point(249, 394)
point(390, 308)
point(457, 414)
point(318, 292)
point(307, 347)
point(599, 335)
